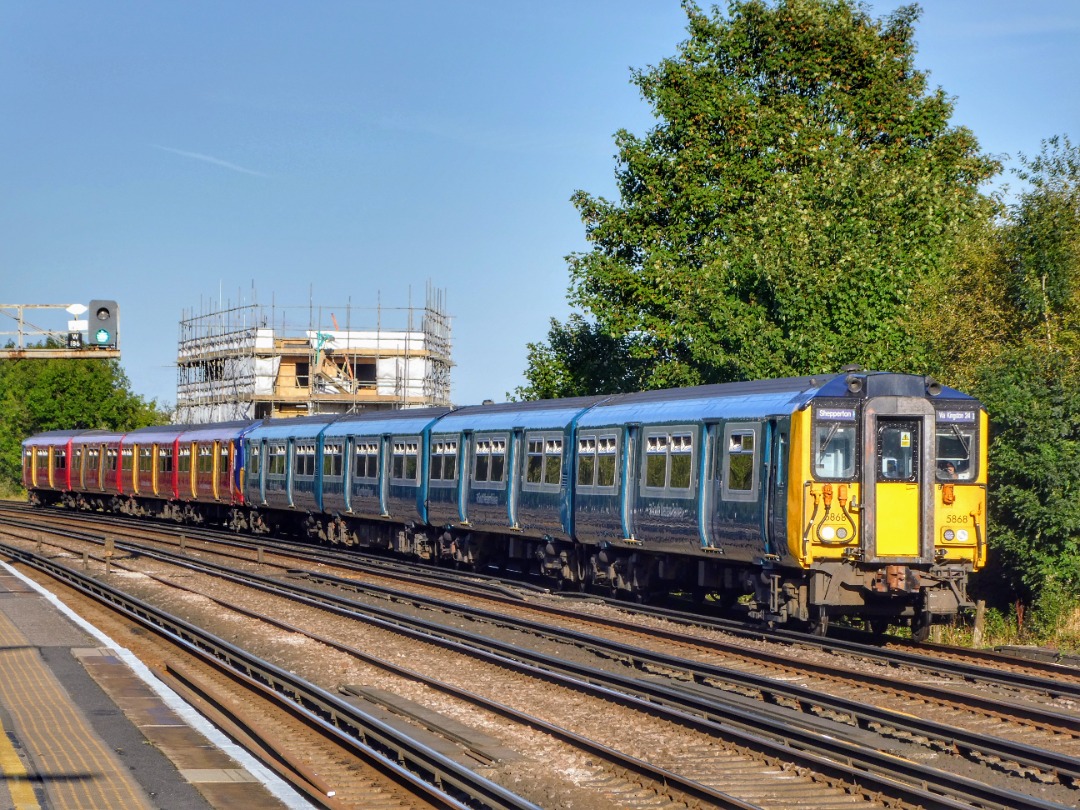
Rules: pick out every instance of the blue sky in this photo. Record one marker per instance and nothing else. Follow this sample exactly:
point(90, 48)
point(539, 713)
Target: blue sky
point(171, 154)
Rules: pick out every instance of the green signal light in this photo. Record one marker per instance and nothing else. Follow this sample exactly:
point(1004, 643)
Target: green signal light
point(102, 336)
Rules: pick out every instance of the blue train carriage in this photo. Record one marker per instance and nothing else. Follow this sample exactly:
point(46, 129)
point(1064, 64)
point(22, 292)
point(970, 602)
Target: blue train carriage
point(280, 486)
point(374, 480)
point(684, 488)
point(499, 484)
point(886, 512)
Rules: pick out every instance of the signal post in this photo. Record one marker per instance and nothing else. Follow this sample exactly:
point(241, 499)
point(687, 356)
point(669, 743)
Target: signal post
point(95, 337)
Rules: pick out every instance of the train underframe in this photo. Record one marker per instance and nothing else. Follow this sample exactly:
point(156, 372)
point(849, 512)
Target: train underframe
point(916, 596)
point(880, 595)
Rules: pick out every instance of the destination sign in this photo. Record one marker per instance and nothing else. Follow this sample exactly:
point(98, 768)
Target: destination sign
point(836, 414)
point(956, 416)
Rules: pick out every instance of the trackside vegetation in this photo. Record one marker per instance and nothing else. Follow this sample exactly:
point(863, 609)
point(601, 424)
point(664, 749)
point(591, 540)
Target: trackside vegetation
point(39, 395)
point(803, 202)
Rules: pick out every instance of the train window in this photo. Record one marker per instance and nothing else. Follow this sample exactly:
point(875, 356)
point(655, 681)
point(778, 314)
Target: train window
point(739, 463)
point(165, 460)
point(489, 464)
point(275, 460)
point(781, 460)
point(405, 466)
point(543, 462)
point(834, 450)
point(205, 460)
point(332, 460)
point(60, 459)
point(42, 457)
point(586, 462)
point(444, 460)
point(146, 460)
point(127, 459)
point(110, 460)
point(304, 460)
point(254, 459)
point(366, 460)
point(898, 450)
point(669, 461)
point(682, 456)
point(596, 461)
point(956, 446)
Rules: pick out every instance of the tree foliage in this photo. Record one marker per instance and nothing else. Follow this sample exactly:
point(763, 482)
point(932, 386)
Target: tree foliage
point(580, 360)
point(39, 395)
point(1031, 385)
point(800, 183)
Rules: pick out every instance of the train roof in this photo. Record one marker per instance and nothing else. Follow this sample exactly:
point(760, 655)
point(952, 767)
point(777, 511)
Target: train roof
point(299, 427)
point(532, 415)
point(746, 400)
point(217, 432)
point(376, 423)
point(50, 437)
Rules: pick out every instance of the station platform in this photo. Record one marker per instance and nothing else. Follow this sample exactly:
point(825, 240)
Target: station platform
point(85, 726)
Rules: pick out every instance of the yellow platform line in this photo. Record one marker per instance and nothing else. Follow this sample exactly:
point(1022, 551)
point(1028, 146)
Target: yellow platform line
point(16, 778)
point(79, 771)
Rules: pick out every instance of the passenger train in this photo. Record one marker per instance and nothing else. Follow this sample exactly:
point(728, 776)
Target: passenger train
point(859, 493)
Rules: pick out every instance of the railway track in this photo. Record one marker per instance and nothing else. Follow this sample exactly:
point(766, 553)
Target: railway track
point(349, 760)
point(621, 777)
point(681, 699)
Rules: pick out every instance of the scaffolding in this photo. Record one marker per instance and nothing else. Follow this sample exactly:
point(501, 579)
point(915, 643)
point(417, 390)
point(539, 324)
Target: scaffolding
point(254, 362)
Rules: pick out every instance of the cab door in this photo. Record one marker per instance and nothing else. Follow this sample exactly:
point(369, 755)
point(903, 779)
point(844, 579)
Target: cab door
point(898, 485)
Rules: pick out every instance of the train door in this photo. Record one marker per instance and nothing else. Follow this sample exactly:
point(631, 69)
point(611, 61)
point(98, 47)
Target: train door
point(628, 489)
point(347, 471)
point(385, 459)
point(77, 466)
point(260, 452)
point(185, 471)
point(776, 487)
point(710, 490)
point(514, 474)
point(897, 487)
point(465, 472)
point(222, 458)
point(290, 464)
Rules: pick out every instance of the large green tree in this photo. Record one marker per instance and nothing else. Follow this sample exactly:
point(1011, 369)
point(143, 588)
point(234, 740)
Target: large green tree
point(39, 395)
point(800, 183)
point(1031, 383)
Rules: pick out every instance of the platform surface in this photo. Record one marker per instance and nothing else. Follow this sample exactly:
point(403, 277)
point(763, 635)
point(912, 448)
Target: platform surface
point(81, 730)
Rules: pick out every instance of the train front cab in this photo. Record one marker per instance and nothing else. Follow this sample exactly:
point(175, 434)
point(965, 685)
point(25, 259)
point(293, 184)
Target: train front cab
point(878, 523)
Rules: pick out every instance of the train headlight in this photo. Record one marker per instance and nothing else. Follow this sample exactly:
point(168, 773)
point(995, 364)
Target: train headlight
point(827, 533)
point(950, 535)
point(962, 535)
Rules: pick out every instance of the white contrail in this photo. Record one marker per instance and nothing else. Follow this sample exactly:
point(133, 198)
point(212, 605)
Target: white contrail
point(208, 159)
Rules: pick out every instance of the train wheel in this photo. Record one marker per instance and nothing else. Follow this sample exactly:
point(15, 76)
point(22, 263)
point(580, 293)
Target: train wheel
point(920, 628)
point(819, 626)
point(879, 627)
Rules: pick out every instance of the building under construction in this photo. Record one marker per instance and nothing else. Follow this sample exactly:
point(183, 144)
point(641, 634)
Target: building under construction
point(254, 362)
